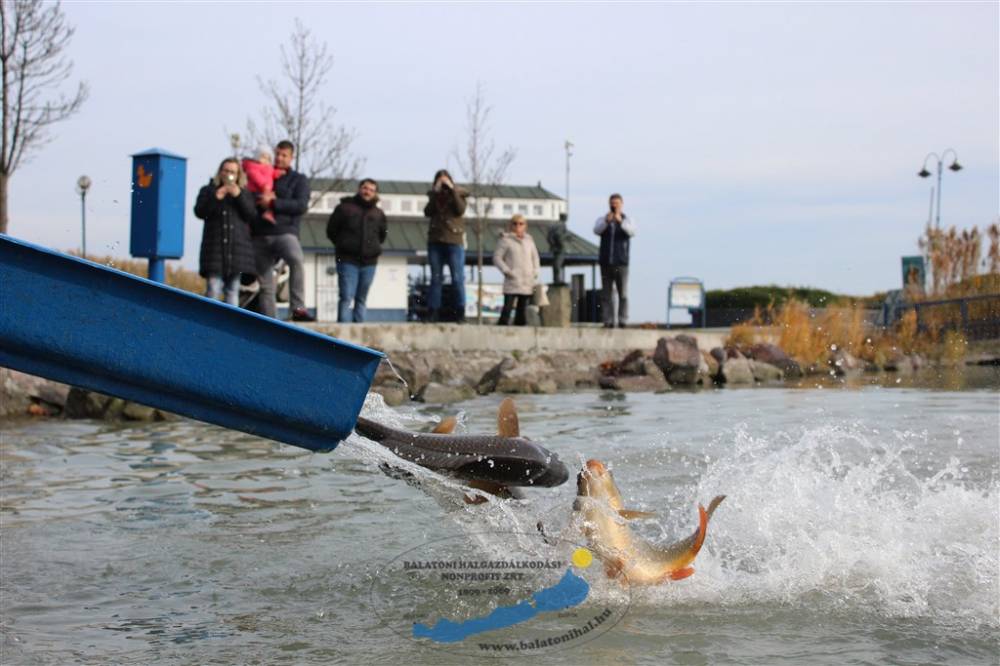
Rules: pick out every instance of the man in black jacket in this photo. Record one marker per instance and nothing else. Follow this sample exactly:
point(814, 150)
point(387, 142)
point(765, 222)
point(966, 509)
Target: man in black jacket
point(616, 231)
point(289, 201)
point(357, 229)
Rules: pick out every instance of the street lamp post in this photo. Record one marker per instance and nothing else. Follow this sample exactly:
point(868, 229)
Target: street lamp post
point(924, 173)
point(82, 185)
point(569, 154)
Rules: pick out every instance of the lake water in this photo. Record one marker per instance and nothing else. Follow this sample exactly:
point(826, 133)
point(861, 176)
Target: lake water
point(860, 527)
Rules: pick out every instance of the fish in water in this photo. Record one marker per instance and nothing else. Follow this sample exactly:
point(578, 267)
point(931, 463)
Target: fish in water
point(495, 464)
point(599, 504)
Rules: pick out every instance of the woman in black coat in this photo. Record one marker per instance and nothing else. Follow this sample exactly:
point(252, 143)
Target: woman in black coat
point(226, 250)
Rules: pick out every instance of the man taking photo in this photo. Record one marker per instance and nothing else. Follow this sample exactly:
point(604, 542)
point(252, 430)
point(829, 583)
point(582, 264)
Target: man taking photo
point(616, 230)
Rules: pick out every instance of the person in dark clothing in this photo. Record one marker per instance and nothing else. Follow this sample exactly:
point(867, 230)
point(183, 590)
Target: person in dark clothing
point(357, 229)
point(280, 239)
point(446, 240)
point(226, 251)
point(616, 230)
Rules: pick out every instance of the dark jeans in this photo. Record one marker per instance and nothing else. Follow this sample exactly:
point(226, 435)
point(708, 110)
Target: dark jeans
point(267, 250)
point(520, 303)
point(353, 282)
point(438, 255)
point(616, 276)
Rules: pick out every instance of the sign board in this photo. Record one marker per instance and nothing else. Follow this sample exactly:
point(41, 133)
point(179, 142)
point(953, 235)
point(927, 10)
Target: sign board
point(492, 300)
point(914, 273)
point(686, 292)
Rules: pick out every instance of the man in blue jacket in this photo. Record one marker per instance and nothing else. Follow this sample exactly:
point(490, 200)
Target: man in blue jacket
point(616, 230)
point(289, 201)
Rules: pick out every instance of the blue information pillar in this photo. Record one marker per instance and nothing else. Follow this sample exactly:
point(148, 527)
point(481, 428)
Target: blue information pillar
point(158, 179)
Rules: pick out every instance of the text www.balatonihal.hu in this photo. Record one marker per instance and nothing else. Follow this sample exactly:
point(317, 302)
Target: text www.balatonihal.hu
point(542, 643)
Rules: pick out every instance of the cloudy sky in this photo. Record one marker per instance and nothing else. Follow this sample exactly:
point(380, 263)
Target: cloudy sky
point(754, 143)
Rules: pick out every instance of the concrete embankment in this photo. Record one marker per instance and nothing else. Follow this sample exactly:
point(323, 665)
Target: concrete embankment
point(472, 338)
point(444, 363)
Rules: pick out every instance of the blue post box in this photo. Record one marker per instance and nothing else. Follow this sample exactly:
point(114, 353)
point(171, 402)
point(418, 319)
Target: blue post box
point(158, 180)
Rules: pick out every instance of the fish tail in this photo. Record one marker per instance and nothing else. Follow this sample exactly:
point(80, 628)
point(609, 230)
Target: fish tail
point(702, 530)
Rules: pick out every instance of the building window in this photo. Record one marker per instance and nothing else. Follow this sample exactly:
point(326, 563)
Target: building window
point(406, 205)
point(522, 209)
point(537, 210)
point(508, 209)
point(386, 204)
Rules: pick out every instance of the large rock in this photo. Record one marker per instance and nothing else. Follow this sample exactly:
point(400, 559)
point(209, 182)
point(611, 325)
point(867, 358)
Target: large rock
point(531, 374)
point(843, 362)
point(83, 404)
point(635, 383)
point(488, 382)
point(679, 359)
point(573, 370)
point(736, 369)
point(133, 411)
point(444, 393)
point(632, 364)
point(766, 352)
point(21, 393)
point(526, 378)
point(712, 363)
point(393, 396)
point(765, 372)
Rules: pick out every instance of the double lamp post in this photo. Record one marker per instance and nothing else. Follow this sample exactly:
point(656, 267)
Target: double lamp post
point(924, 173)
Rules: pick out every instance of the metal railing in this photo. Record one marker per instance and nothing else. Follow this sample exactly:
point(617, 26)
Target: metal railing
point(976, 317)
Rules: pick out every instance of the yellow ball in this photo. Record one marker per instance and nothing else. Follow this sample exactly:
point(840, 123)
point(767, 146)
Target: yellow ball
point(582, 558)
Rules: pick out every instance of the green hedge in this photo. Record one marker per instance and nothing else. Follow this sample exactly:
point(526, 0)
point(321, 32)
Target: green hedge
point(751, 297)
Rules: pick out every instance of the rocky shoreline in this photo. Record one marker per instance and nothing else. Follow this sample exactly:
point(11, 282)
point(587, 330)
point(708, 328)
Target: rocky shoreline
point(676, 362)
point(443, 377)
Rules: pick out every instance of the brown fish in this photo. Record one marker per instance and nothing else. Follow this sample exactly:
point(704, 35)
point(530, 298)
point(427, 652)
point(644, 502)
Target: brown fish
point(599, 504)
point(496, 464)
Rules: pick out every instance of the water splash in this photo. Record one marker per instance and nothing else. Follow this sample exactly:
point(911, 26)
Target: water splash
point(850, 520)
point(837, 518)
point(398, 376)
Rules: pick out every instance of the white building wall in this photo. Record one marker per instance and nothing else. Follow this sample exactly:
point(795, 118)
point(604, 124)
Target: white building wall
point(412, 205)
point(386, 299)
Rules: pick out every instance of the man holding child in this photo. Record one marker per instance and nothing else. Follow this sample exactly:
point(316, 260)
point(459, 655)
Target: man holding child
point(286, 202)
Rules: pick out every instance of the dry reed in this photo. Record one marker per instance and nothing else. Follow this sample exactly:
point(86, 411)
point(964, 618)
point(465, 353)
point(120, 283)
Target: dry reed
point(176, 275)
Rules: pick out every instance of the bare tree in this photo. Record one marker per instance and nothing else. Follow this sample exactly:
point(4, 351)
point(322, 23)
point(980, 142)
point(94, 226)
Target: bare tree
point(296, 111)
point(33, 41)
point(483, 170)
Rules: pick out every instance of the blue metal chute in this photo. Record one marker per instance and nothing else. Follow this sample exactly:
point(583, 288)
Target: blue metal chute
point(88, 325)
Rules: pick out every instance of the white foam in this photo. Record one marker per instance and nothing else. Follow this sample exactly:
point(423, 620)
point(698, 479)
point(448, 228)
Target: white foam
point(839, 517)
point(835, 517)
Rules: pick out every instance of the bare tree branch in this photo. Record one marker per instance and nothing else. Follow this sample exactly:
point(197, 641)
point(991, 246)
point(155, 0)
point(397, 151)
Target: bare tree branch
point(295, 110)
point(484, 171)
point(33, 40)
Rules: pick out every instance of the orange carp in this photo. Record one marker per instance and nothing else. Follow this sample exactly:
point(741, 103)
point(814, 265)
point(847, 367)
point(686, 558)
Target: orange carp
point(599, 505)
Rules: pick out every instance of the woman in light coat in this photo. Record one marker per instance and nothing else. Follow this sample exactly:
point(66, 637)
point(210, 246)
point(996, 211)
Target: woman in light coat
point(517, 258)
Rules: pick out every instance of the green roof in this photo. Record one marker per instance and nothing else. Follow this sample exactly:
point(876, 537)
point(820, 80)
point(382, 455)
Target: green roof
point(408, 236)
point(422, 186)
